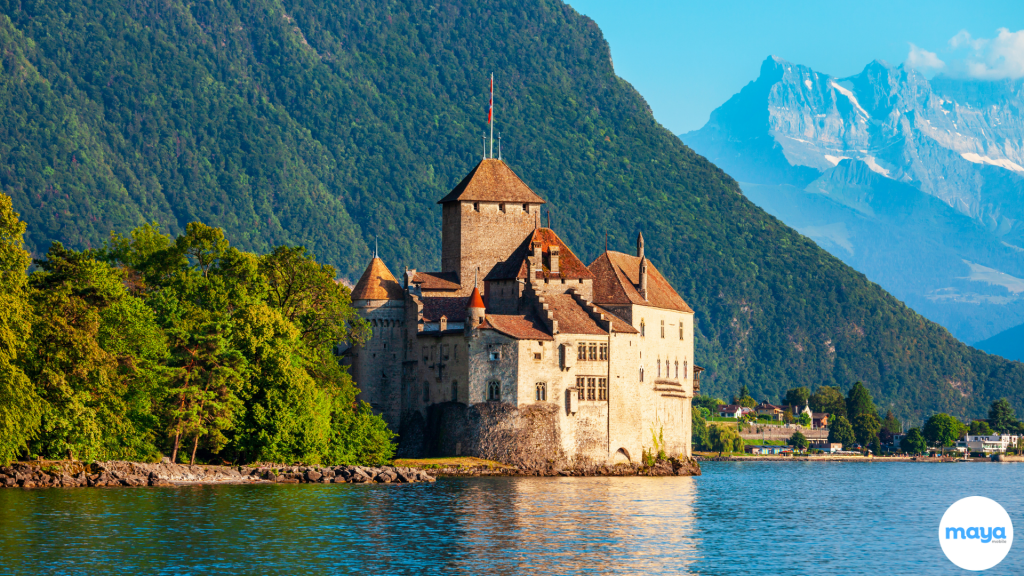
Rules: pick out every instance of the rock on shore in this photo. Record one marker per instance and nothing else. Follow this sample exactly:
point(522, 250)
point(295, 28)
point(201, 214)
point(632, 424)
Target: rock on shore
point(667, 467)
point(117, 473)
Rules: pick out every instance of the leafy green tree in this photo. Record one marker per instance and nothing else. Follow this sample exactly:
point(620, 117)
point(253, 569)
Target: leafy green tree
point(799, 441)
point(699, 433)
point(980, 428)
point(804, 420)
point(709, 402)
point(20, 406)
point(744, 398)
point(890, 426)
point(943, 430)
point(914, 442)
point(840, 431)
point(1001, 416)
point(866, 428)
point(829, 400)
point(858, 402)
point(797, 397)
point(876, 446)
point(724, 439)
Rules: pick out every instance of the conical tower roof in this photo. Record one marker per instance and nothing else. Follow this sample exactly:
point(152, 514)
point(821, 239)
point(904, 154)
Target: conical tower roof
point(492, 181)
point(377, 283)
point(475, 301)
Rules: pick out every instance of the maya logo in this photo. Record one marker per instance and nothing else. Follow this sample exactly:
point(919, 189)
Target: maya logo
point(976, 533)
point(986, 535)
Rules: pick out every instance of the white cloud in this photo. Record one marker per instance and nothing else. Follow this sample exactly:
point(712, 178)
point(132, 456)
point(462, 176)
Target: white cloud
point(922, 59)
point(980, 58)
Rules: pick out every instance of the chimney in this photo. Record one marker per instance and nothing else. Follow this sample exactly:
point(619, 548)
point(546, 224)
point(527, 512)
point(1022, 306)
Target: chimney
point(554, 260)
point(643, 275)
point(640, 245)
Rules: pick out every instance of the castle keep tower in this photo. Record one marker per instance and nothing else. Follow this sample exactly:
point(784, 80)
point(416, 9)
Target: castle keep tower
point(484, 219)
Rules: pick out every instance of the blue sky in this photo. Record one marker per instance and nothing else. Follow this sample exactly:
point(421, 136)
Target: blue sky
point(687, 58)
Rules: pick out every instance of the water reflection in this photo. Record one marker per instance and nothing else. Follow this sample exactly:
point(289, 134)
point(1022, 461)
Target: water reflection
point(739, 518)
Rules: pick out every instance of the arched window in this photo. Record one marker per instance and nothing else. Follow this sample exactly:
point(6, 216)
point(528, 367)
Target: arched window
point(643, 327)
point(542, 391)
point(426, 392)
point(641, 374)
point(494, 391)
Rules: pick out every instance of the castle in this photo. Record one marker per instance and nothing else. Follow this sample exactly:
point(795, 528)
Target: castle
point(517, 351)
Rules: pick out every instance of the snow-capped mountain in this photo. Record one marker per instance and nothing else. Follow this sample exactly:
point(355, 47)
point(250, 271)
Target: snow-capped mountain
point(917, 183)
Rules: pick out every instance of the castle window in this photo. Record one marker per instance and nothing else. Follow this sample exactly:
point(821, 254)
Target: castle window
point(526, 208)
point(455, 390)
point(537, 355)
point(581, 352)
point(501, 207)
point(426, 392)
point(659, 367)
point(494, 355)
point(542, 391)
point(426, 358)
point(603, 351)
point(686, 368)
point(447, 349)
point(476, 206)
point(677, 368)
point(602, 388)
point(680, 329)
point(662, 328)
point(494, 391)
point(591, 388)
point(581, 387)
point(643, 328)
point(593, 351)
point(455, 351)
point(641, 374)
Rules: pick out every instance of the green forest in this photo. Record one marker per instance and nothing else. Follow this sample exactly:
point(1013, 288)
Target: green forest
point(326, 124)
point(152, 345)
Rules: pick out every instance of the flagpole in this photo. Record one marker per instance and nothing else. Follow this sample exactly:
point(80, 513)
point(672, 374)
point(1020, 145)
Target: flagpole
point(491, 119)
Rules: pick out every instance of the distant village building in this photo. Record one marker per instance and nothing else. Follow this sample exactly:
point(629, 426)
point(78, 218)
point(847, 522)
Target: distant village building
point(990, 444)
point(515, 350)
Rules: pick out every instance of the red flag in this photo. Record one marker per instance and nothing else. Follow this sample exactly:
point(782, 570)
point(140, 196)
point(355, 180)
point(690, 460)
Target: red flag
point(490, 108)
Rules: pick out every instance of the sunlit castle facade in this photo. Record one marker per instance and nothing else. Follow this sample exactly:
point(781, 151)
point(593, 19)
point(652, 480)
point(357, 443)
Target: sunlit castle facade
point(518, 352)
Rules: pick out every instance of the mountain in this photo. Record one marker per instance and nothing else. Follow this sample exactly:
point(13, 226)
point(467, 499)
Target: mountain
point(1009, 344)
point(331, 123)
point(918, 184)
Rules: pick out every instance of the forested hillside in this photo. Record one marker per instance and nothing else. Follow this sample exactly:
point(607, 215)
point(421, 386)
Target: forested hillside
point(327, 123)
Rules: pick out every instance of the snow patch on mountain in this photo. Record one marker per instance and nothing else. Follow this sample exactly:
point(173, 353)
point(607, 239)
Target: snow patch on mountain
point(1001, 162)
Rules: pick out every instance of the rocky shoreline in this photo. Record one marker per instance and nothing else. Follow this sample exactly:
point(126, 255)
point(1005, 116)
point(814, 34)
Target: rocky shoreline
point(117, 473)
point(667, 467)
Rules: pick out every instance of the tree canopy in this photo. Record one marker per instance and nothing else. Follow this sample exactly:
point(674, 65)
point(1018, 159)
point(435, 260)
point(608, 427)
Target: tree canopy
point(943, 430)
point(840, 431)
point(829, 400)
point(183, 346)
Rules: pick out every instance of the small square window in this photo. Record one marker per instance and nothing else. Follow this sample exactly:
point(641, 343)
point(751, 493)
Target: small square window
point(494, 355)
point(537, 355)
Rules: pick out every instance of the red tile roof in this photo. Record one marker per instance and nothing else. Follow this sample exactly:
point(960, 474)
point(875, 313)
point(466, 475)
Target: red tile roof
point(453, 307)
point(377, 283)
point(618, 276)
point(569, 266)
point(517, 326)
point(437, 280)
point(618, 324)
point(571, 317)
point(492, 181)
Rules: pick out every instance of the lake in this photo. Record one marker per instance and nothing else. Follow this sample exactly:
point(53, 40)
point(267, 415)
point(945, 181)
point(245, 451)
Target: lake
point(738, 518)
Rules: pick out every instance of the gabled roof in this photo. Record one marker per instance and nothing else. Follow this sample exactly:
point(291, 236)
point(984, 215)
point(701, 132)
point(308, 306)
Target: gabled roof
point(569, 266)
point(518, 326)
point(571, 317)
point(377, 283)
point(436, 280)
point(618, 276)
point(492, 181)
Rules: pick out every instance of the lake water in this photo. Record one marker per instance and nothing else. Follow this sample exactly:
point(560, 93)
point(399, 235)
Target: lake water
point(738, 518)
